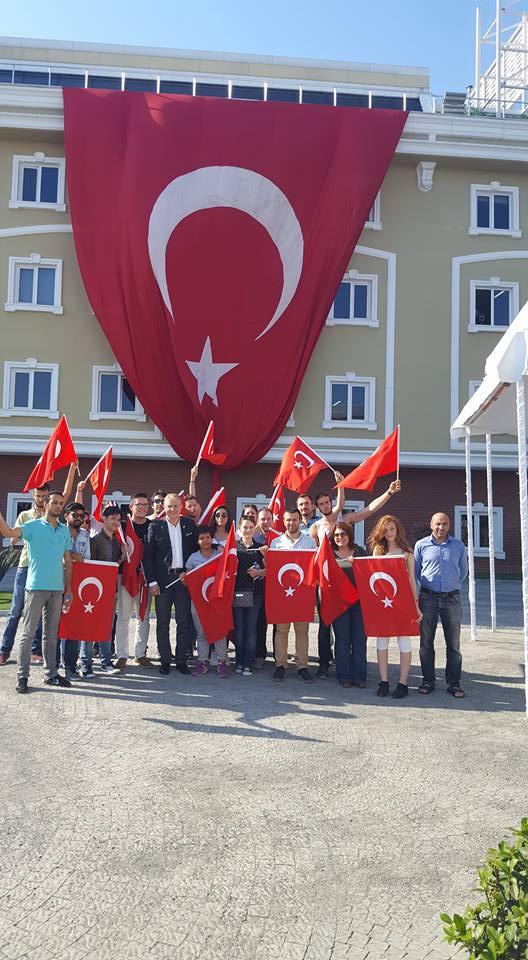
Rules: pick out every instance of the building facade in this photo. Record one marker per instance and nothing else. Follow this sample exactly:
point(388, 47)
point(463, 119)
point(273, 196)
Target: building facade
point(438, 274)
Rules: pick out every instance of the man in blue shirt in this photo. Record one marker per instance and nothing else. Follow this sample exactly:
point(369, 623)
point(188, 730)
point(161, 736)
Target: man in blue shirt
point(49, 564)
point(441, 565)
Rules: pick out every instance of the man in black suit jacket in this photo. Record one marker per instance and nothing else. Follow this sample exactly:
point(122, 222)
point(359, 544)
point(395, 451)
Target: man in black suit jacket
point(168, 546)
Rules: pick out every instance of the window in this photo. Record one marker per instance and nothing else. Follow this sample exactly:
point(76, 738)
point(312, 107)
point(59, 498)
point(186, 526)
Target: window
point(211, 89)
point(30, 389)
point(493, 304)
point(34, 284)
point(38, 181)
point(355, 301)
point(473, 387)
point(480, 529)
point(281, 94)
point(358, 529)
point(113, 397)
point(373, 221)
point(16, 503)
point(259, 499)
point(494, 209)
point(122, 500)
point(349, 402)
point(244, 92)
point(325, 97)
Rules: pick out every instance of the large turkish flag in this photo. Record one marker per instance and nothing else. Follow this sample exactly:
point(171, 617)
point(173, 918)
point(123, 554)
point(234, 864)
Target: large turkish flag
point(290, 589)
point(210, 232)
point(387, 602)
point(216, 618)
point(92, 611)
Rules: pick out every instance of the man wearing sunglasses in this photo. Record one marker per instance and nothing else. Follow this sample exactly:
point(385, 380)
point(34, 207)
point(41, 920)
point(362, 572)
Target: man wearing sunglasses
point(156, 500)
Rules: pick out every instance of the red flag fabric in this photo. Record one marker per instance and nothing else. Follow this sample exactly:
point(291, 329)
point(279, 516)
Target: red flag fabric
point(216, 618)
point(272, 535)
point(130, 578)
point(290, 589)
point(218, 500)
point(99, 477)
point(267, 199)
point(277, 505)
point(336, 592)
point(387, 602)
point(207, 450)
point(92, 611)
point(224, 585)
point(183, 512)
point(58, 452)
point(300, 466)
point(384, 460)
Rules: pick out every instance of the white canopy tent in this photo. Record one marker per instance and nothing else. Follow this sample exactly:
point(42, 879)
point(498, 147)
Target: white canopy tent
point(499, 407)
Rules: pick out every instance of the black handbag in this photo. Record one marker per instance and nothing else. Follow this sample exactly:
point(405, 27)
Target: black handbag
point(243, 598)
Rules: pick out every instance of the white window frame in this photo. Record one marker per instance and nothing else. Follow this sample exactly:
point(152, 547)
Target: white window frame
point(370, 403)
point(489, 189)
point(373, 221)
point(96, 414)
point(353, 277)
point(494, 283)
point(38, 160)
point(358, 528)
point(24, 366)
point(259, 499)
point(473, 386)
point(498, 521)
point(12, 511)
point(35, 260)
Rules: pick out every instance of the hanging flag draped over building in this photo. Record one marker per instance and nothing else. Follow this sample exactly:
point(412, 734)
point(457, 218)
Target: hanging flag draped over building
point(290, 588)
point(217, 500)
point(91, 614)
point(99, 478)
point(268, 199)
point(277, 505)
point(300, 466)
point(336, 592)
point(58, 452)
point(207, 450)
point(387, 602)
point(384, 460)
point(215, 616)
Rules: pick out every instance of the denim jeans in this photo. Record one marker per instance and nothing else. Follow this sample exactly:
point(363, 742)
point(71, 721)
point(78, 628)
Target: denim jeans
point(324, 639)
point(70, 653)
point(245, 620)
point(105, 652)
point(15, 612)
point(350, 646)
point(445, 606)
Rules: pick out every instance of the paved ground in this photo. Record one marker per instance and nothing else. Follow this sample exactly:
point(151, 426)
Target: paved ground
point(162, 818)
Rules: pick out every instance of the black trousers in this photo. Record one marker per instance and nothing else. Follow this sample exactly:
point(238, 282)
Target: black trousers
point(262, 627)
point(324, 639)
point(178, 596)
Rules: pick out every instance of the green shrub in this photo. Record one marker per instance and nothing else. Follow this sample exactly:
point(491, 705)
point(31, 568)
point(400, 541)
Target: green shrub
point(497, 927)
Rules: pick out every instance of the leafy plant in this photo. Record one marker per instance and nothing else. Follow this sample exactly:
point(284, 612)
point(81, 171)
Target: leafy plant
point(497, 927)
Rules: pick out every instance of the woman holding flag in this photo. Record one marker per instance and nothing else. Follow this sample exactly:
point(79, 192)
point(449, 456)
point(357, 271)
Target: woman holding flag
point(248, 596)
point(350, 638)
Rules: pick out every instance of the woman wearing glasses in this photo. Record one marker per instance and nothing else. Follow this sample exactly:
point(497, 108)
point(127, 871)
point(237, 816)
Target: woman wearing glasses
point(221, 525)
point(350, 638)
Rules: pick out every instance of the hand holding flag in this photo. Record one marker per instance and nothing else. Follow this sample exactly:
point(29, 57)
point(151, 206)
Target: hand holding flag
point(58, 452)
point(218, 500)
point(207, 450)
point(336, 592)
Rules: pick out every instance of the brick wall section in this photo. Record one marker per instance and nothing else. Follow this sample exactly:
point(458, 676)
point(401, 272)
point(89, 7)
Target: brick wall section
point(424, 492)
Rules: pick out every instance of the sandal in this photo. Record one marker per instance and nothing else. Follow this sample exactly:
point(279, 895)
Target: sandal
point(456, 692)
point(383, 688)
point(401, 691)
point(426, 688)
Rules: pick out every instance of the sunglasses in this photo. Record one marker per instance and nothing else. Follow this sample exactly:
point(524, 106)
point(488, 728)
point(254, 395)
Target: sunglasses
point(76, 513)
point(157, 501)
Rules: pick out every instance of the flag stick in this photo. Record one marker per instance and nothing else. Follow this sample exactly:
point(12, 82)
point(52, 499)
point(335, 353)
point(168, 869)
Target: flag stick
point(68, 429)
point(199, 457)
point(97, 464)
point(398, 463)
point(317, 454)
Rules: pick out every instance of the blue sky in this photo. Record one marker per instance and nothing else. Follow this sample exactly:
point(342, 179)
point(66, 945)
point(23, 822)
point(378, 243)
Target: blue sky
point(435, 35)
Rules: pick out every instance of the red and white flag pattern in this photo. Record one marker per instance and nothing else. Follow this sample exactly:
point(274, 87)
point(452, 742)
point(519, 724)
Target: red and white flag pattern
point(277, 505)
point(218, 500)
point(215, 615)
point(336, 592)
point(207, 450)
point(300, 466)
point(387, 602)
point(290, 588)
point(384, 460)
point(58, 452)
point(132, 579)
point(99, 478)
point(91, 614)
point(224, 585)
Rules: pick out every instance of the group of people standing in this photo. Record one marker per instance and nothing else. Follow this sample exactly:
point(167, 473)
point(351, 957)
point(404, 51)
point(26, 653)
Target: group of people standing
point(174, 545)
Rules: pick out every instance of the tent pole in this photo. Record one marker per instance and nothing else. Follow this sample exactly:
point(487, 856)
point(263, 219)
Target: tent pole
point(471, 558)
point(491, 535)
point(523, 502)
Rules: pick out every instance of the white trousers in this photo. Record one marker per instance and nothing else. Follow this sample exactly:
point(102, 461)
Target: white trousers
point(404, 643)
point(125, 606)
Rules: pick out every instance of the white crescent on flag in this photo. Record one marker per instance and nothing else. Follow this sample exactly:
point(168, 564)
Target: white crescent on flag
point(205, 587)
point(88, 607)
point(297, 462)
point(289, 591)
point(387, 602)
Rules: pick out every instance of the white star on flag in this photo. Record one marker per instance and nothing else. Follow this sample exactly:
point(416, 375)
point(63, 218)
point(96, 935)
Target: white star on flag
point(289, 591)
point(387, 602)
point(88, 607)
point(208, 373)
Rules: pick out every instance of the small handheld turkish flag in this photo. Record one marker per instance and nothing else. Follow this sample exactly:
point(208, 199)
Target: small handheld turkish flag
point(387, 602)
point(384, 460)
point(276, 505)
point(290, 590)
point(336, 592)
point(131, 579)
point(92, 611)
point(99, 477)
point(300, 466)
point(224, 585)
point(207, 450)
point(216, 622)
point(58, 452)
point(218, 500)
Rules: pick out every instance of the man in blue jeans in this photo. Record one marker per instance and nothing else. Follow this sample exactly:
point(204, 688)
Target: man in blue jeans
point(441, 565)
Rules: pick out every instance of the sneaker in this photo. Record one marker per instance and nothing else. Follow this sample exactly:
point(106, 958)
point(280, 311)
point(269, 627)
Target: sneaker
point(305, 675)
point(199, 669)
point(4, 657)
point(57, 681)
point(239, 669)
point(121, 663)
point(164, 669)
point(259, 663)
point(223, 669)
point(72, 674)
point(87, 673)
point(182, 668)
point(110, 669)
point(37, 659)
point(383, 688)
point(322, 672)
point(22, 685)
point(247, 672)
point(279, 673)
point(144, 662)
point(401, 691)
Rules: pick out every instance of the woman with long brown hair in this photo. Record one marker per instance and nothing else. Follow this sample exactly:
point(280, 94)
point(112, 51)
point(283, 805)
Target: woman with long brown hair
point(350, 638)
point(388, 539)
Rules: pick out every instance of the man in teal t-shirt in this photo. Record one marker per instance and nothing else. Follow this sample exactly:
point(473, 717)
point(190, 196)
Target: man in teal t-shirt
point(49, 544)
